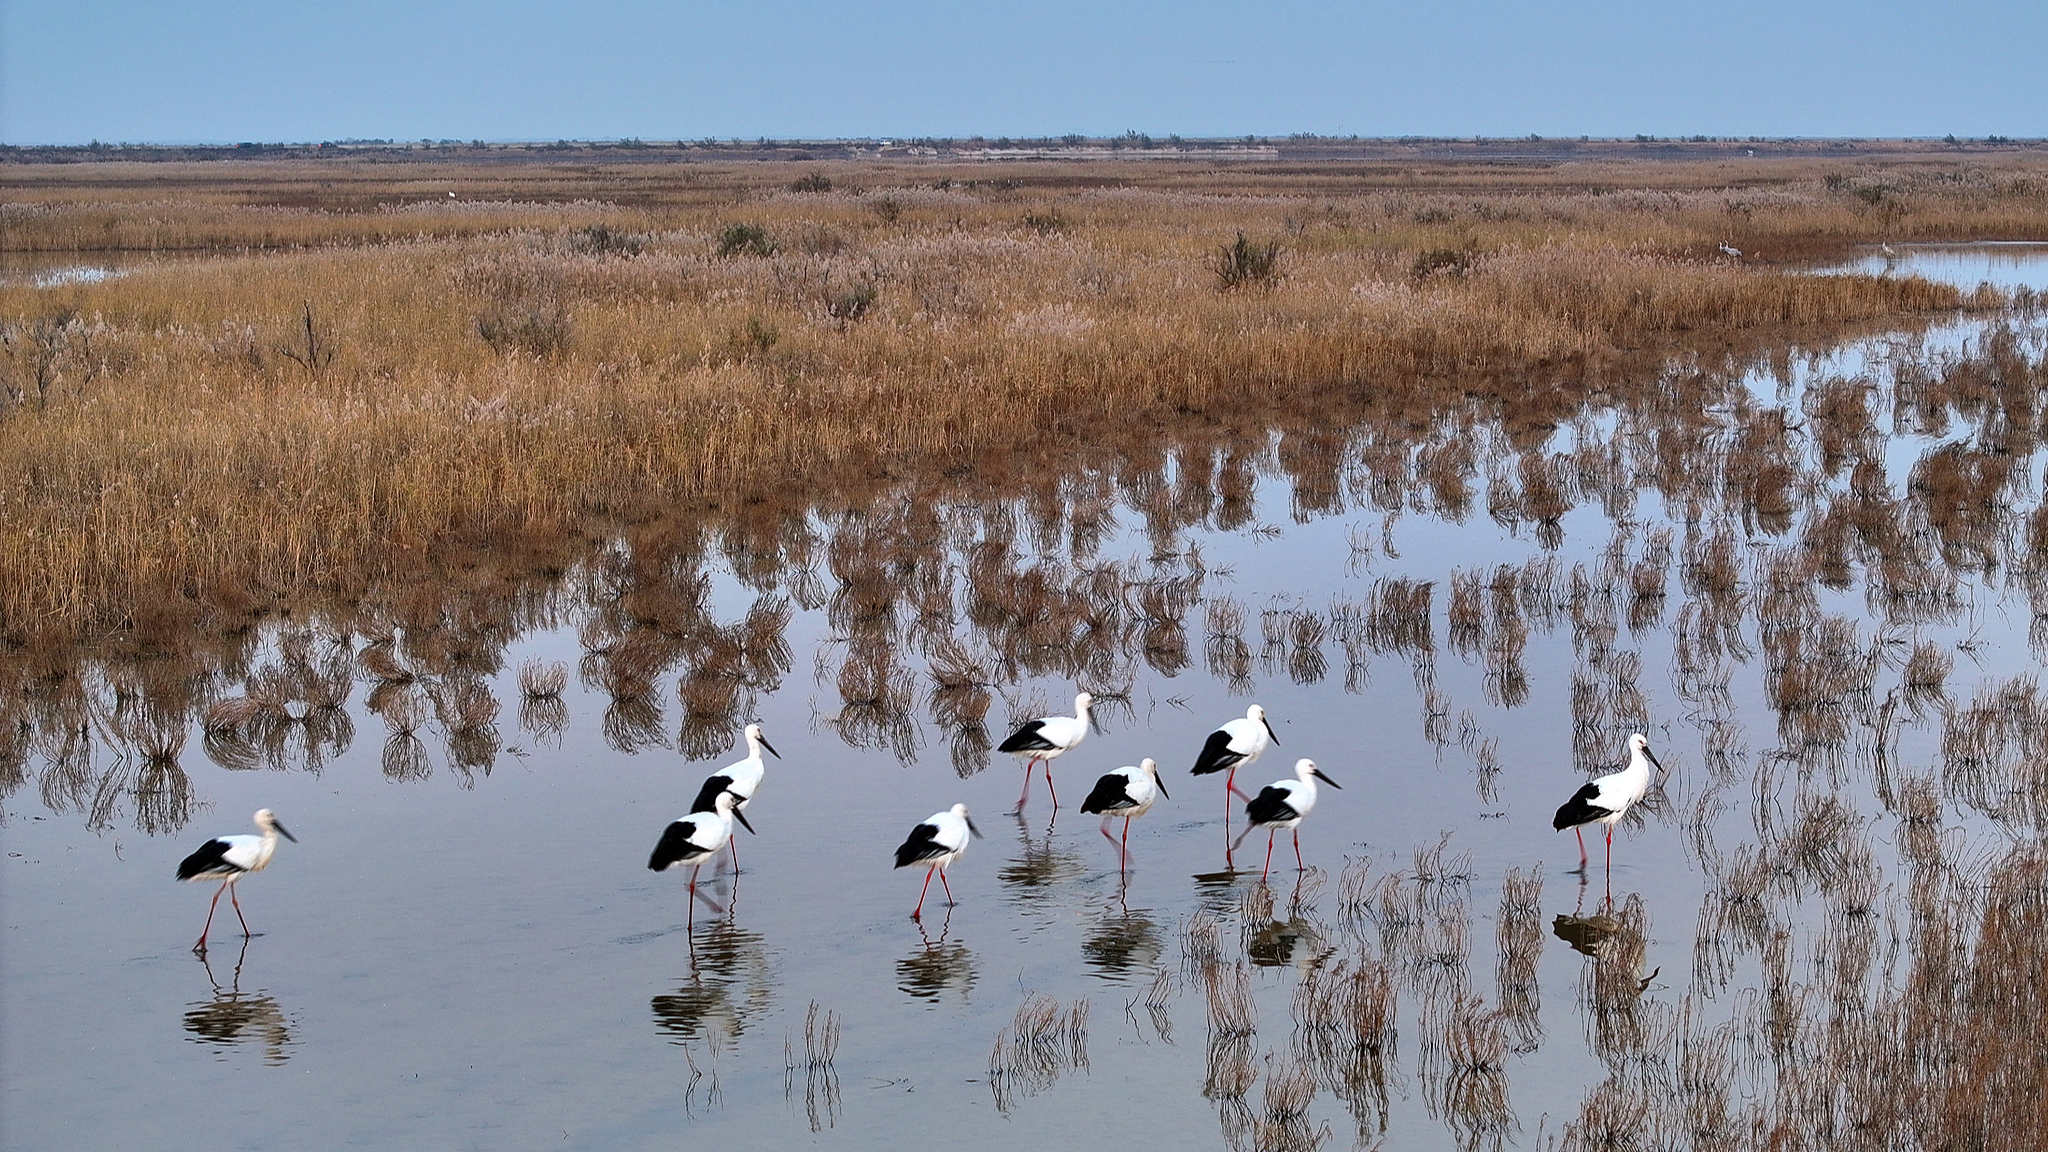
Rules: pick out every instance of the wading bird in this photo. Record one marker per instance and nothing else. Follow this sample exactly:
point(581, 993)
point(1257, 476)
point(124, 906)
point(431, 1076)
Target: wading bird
point(1283, 804)
point(1237, 743)
point(740, 779)
point(1044, 739)
point(937, 842)
point(1607, 800)
point(1128, 792)
point(228, 859)
point(696, 838)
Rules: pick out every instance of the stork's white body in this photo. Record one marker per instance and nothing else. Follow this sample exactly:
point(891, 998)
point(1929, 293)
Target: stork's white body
point(696, 838)
point(1284, 804)
point(1045, 740)
point(937, 842)
point(1606, 800)
point(742, 780)
point(1238, 743)
point(228, 859)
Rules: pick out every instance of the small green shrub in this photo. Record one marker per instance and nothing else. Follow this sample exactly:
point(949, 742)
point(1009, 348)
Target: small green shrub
point(1243, 262)
point(753, 339)
point(745, 240)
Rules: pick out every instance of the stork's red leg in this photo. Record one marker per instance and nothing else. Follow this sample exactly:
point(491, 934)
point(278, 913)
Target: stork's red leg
point(237, 902)
point(1229, 786)
point(201, 946)
point(1026, 794)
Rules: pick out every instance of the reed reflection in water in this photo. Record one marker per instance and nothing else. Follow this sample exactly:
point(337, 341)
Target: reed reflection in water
point(939, 608)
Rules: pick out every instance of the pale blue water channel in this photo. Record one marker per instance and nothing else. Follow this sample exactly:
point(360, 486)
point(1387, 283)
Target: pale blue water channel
point(477, 958)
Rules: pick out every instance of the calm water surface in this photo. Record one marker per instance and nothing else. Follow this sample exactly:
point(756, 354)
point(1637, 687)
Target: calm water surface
point(466, 951)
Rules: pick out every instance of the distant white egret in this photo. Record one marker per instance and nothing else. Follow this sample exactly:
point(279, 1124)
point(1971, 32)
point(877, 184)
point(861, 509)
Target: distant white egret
point(228, 859)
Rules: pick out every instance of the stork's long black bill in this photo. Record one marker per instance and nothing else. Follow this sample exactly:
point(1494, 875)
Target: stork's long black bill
point(1159, 782)
point(283, 833)
point(971, 828)
point(1318, 774)
point(770, 748)
point(1269, 729)
point(741, 816)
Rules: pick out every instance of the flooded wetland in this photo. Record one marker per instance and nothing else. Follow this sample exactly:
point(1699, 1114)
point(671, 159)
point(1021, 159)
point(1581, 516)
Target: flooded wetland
point(476, 664)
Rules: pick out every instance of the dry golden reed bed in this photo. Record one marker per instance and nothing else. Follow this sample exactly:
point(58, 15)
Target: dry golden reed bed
point(346, 377)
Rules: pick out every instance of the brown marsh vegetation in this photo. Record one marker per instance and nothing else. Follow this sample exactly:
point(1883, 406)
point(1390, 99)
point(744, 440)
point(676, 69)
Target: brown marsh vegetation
point(356, 383)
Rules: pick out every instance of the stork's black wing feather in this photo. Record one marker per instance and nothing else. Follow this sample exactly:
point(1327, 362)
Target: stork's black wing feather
point(1216, 755)
point(675, 845)
point(212, 857)
point(922, 845)
point(1271, 806)
point(1029, 738)
point(1111, 793)
point(1580, 809)
point(707, 796)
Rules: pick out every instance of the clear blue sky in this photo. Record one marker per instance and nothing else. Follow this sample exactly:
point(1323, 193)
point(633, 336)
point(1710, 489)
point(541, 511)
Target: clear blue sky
point(233, 70)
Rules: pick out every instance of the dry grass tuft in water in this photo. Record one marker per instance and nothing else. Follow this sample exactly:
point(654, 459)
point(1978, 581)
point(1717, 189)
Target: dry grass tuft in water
point(1040, 1043)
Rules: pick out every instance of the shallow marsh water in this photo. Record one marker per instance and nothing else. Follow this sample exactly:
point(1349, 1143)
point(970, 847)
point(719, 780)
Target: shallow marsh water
point(465, 950)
